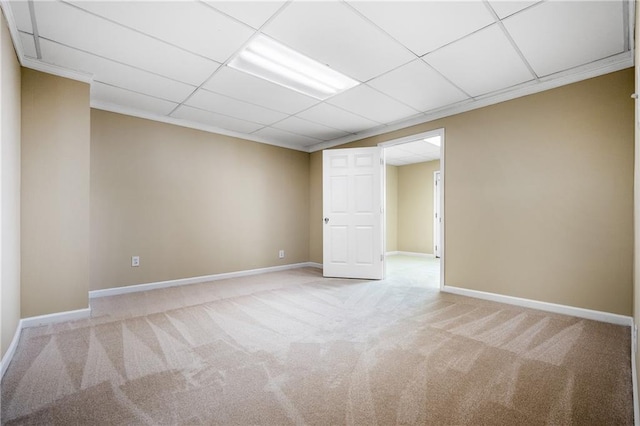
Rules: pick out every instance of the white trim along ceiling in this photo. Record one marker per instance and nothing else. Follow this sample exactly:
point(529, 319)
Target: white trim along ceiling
point(412, 61)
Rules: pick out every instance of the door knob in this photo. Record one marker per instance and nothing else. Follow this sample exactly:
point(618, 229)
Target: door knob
point(326, 220)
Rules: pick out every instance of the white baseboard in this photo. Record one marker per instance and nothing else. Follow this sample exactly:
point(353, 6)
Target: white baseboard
point(409, 253)
point(55, 318)
point(634, 378)
point(86, 313)
point(543, 306)
point(195, 280)
point(35, 322)
point(8, 356)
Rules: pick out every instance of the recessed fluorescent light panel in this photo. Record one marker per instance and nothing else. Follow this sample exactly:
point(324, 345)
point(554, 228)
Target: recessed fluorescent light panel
point(268, 59)
point(435, 140)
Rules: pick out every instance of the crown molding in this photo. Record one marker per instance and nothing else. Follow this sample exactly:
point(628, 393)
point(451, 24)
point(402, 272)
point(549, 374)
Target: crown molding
point(56, 70)
point(595, 69)
point(119, 109)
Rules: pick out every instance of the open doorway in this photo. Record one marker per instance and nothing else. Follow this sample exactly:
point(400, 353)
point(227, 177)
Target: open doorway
point(413, 208)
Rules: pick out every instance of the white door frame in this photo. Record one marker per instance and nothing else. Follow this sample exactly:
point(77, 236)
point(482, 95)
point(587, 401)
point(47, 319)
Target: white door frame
point(407, 139)
point(437, 214)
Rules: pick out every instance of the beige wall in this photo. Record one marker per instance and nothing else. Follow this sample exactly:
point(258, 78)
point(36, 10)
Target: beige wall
point(415, 207)
point(190, 203)
point(315, 208)
point(391, 208)
point(539, 195)
point(10, 189)
point(636, 259)
point(55, 194)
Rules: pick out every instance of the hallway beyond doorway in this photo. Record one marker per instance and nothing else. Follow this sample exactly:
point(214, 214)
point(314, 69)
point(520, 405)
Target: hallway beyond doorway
point(422, 271)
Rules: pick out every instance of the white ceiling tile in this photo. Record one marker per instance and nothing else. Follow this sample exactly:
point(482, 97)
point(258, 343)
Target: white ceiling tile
point(555, 36)
point(424, 26)
point(334, 34)
point(335, 117)
point(284, 137)
point(418, 151)
point(393, 162)
point(418, 85)
point(114, 73)
point(28, 45)
point(304, 127)
point(420, 148)
point(393, 153)
point(191, 25)
point(116, 96)
point(245, 87)
point(90, 33)
point(253, 13)
point(221, 104)
point(365, 101)
point(133, 67)
point(427, 151)
point(481, 63)
point(505, 8)
point(21, 15)
point(215, 120)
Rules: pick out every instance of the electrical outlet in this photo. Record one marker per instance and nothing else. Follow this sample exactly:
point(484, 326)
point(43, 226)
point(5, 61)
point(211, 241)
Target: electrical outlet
point(135, 260)
point(281, 254)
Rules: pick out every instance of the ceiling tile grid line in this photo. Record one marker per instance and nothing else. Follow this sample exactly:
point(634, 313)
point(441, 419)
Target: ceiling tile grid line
point(508, 36)
point(488, 70)
point(628, 34)
point(334, 34)
point(98, 35)
point(201, 86)
point(382, 30)
point(392, 97)
point(114, 61)
point(18, 14)
point(34, 26)
point(333, 106)
point(415, 60)
point(293, 125)
point(255, 16)
point(446, 78)
point(222, 12)
point(305, 109)
point(28, 44)
point(126, 64)
point(269, 110)
point(133, 91)
point(175, 111)
point(331, 115)
point(120, 24)
point(278, 125)
point(504, 9)
point(596, 32)
point(296, 115)
point(220, 104)
point(424, 26)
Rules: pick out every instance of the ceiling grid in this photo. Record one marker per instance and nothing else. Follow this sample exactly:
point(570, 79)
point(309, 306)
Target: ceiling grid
point(414, 61)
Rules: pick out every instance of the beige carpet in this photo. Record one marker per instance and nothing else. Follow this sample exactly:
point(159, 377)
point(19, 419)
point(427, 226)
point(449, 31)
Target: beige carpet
point(294, 348)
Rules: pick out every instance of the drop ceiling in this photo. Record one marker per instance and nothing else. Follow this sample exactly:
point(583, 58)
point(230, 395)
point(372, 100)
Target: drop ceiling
point(415, 61)
point(418, 151)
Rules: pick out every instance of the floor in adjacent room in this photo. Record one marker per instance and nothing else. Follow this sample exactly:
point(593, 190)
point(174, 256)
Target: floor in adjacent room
point(292, 347)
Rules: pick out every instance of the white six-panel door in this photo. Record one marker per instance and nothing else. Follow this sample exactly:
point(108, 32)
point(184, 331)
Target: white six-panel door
point(352, 207)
